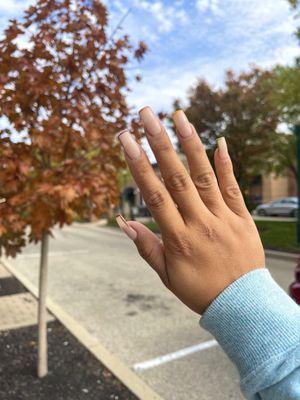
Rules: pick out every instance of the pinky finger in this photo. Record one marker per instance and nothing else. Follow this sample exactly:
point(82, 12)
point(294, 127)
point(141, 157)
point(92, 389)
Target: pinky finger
point(148, 244)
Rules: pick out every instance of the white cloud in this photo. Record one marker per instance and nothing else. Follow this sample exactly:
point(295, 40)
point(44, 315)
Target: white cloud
point(12, 8)
point(181, 16)
point(120, 6)
point(161, 86)
point(202, 5)
point(165, 16)
point(212, 6)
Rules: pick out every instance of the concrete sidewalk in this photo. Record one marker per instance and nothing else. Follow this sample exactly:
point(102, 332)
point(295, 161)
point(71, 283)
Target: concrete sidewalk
point(16, 310)
point(20, 311)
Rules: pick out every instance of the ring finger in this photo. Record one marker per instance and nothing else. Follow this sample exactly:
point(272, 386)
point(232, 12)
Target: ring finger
point(201, 170)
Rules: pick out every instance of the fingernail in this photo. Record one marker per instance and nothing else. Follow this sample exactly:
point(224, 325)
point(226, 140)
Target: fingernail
point(130, 146)
point(150, 121)
point(222, 146)
point(130, 232)
point(183, 125)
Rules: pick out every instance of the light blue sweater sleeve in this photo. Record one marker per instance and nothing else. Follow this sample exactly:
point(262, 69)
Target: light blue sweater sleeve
point(258, 325)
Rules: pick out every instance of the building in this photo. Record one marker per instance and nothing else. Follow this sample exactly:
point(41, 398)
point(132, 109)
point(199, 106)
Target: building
point(266, 188)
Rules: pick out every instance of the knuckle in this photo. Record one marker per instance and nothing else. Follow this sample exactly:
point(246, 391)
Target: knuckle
point(180, 244)
point(233, 191)
point(143, 169)
point(177, 181)
point(207, 232)
point(155, 200)
point(162, 147)
point(204, 180)
point(227, 167)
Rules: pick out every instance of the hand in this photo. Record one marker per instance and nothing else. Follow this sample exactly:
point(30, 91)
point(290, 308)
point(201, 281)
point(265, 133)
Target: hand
point(209, 238)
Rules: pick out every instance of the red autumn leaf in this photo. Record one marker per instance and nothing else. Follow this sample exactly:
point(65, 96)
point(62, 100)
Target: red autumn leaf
point(66, 98)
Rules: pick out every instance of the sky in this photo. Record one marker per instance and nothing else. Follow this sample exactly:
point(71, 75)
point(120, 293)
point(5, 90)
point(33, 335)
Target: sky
point(192, 39)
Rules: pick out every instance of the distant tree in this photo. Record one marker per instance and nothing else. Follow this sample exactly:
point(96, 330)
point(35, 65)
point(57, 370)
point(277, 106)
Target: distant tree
point(287, 81)
point(296, 6)
point(243, 112)
point(286, 98)
point(284, 158)
point(286, 92)
point(63, 97)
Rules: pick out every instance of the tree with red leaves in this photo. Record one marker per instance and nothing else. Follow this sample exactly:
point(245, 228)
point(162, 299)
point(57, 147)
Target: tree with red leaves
point(63, 97)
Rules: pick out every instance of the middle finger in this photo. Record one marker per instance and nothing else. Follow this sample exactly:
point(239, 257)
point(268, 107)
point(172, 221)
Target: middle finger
point(175, 175)
point(201, 170)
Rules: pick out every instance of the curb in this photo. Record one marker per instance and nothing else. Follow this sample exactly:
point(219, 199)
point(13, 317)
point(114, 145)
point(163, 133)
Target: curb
point(280, 255)
point(132, 381)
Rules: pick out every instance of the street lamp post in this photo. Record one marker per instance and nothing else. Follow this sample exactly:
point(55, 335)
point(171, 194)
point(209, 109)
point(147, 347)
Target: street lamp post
point(297, 134)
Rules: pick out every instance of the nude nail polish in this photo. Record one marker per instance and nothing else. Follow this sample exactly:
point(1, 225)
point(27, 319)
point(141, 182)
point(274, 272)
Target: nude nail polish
point(222, 146)
point(130, 146)
point(183, 125)
point(130, 232)
point(150, 121)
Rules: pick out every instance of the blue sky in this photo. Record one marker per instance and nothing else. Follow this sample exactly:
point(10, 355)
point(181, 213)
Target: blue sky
point(189, 39)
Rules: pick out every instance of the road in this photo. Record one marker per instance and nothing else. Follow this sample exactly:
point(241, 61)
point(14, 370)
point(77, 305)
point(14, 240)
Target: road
point(98, 278)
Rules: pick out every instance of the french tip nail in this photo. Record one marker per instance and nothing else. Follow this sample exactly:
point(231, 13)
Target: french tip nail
point(221, 140)
point(182, 124)
point(150, 121)
point(144, 108)
point(127, 229)
point(129, 144)
point(222, 146)
point(121, 133)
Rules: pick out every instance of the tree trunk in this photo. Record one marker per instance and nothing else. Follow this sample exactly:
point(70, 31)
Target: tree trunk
point(42, 311)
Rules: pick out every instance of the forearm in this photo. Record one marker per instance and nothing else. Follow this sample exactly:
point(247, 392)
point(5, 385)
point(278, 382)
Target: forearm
point(258, 326)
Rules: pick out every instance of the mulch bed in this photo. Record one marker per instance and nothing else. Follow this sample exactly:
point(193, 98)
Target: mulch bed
point(10, 286)
point(74, 374)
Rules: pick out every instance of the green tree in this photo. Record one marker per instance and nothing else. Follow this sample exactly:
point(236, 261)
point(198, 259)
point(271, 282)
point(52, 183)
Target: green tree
point(243, 112)
point(286, 92)
point(295, 5)
point(284, 157)
point(286, 98)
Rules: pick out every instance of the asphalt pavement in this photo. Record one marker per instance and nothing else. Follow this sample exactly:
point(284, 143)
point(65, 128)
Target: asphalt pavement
point(96, 276)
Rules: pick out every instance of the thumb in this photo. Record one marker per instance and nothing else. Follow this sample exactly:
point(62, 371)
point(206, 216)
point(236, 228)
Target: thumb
point(148, 244)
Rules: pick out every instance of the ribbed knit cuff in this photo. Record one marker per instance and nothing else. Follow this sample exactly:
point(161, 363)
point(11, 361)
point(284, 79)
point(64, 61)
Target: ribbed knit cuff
point(255, 322)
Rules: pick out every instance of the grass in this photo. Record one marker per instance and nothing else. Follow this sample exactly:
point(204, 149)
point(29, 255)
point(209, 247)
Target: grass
point(275, 235)
point(151, 225)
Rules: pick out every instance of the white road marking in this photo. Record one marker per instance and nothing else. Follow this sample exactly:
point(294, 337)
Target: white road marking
point(54, 253)
point(155, 362)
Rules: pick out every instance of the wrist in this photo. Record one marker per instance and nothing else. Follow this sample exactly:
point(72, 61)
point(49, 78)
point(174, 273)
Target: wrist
point(253, 320)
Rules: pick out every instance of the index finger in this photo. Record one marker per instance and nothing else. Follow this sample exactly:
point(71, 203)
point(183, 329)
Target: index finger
point(155, 194)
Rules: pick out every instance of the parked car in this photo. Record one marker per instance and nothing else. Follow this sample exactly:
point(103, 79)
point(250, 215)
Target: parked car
point(287, 207)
